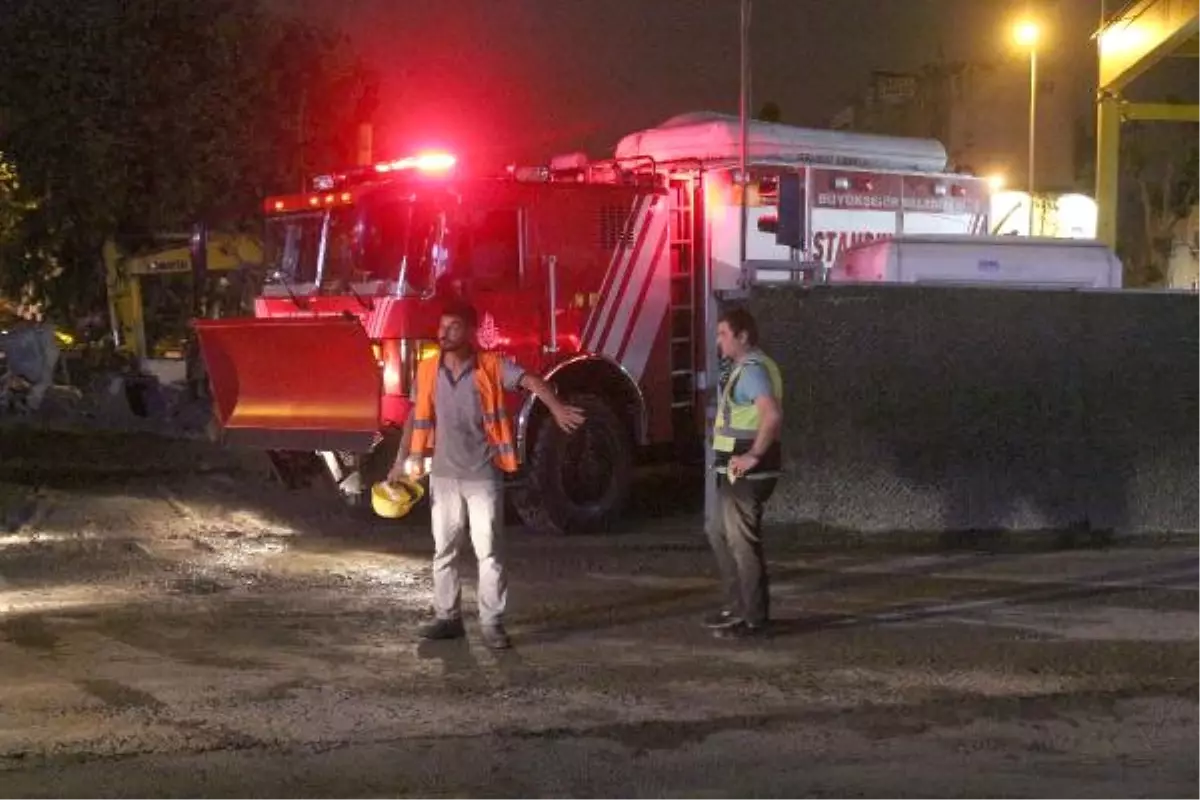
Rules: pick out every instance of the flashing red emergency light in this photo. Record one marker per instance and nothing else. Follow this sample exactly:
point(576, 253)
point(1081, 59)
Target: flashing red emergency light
point(328, 194)
point(424, 162)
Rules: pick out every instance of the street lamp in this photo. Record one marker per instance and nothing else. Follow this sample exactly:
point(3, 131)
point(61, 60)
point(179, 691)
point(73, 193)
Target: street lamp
point(744, 125)
point(1027, 34)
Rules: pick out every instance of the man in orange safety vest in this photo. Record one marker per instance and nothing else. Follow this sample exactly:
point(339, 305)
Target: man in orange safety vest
point(458, 400)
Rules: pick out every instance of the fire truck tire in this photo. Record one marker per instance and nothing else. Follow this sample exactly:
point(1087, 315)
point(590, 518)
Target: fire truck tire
point(578, 482)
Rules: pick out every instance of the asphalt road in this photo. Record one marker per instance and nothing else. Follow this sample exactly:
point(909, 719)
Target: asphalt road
point(172, 625)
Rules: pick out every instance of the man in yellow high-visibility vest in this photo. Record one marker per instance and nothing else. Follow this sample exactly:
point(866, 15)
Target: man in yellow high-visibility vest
point(748, 460)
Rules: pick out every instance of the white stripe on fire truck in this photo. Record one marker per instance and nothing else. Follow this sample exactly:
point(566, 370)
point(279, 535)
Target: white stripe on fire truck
point(383, 305)
point(616, 269)
point(599, 319)
point(650, 312)
point(636, 279)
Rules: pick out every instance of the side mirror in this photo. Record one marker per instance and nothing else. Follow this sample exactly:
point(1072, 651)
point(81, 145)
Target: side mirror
point(198, 253)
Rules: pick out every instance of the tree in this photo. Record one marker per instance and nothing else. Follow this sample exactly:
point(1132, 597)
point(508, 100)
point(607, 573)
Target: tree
point(127, 117)
point(15, 207)
point(1162, 167)
point(14, 204)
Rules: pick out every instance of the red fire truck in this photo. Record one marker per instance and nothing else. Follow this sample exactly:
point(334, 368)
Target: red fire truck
point(601, 276)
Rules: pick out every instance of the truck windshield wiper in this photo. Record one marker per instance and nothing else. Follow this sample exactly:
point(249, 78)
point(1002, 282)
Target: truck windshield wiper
point(279, 276)
point(368, 305)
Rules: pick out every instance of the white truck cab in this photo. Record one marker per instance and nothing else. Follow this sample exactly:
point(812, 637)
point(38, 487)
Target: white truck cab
point(1017, 262)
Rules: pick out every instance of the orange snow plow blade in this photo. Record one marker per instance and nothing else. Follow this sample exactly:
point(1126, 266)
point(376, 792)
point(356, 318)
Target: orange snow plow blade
point(292, 384)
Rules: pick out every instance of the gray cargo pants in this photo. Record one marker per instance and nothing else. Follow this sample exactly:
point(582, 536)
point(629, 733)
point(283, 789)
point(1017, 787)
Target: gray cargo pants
point(736, 538)
point(456, 506)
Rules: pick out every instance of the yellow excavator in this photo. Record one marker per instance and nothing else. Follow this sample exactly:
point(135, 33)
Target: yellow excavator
point(154, 293)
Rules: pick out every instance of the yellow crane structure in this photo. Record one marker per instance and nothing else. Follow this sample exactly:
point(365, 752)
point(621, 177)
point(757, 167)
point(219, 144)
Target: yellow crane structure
point(1135, 39)
point(152, 296)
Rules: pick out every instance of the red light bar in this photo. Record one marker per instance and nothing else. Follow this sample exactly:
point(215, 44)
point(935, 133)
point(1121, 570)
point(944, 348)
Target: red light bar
point(429, 163)
point(290, 203)
point(425, 162)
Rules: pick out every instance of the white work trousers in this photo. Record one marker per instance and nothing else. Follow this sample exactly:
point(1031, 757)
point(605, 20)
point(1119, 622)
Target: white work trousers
point(456, 505)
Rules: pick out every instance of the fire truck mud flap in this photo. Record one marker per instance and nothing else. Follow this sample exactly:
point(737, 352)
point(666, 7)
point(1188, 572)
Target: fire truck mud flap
point(292, 384)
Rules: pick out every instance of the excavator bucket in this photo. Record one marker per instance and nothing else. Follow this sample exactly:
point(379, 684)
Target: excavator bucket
point(292, 384)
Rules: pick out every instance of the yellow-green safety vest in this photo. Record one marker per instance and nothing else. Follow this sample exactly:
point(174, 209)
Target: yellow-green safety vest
point(739, 421)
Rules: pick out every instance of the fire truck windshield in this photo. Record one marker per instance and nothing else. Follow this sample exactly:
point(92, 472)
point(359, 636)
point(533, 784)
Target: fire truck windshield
point(393, 246)
point(292, 245)
point(402, 243)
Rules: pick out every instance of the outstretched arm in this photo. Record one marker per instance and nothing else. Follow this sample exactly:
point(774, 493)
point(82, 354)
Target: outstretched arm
point(567, 417)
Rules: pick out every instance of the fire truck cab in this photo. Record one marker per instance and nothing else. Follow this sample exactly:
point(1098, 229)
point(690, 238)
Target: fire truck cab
point(599, 276)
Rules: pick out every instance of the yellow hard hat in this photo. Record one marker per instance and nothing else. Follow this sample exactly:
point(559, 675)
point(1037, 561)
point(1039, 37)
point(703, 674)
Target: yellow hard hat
point(395, 500)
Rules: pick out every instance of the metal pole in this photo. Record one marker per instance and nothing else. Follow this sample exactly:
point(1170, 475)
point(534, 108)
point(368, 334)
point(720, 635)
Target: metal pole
point(1108, 153)
point(552, 270)
point(1108, 158)
point(711, 362)
point(1032, 129)
point(744, 119)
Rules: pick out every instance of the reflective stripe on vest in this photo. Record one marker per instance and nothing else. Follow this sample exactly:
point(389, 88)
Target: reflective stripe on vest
point(496, 425)
point(739, 422)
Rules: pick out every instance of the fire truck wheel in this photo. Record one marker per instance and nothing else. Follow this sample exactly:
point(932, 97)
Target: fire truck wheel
point(579, 482)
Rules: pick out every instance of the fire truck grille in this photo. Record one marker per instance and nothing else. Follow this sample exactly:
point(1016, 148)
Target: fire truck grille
point(616, 227)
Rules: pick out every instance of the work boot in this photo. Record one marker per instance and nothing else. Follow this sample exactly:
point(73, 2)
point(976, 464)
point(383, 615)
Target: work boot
point(742, 630)
point(443, 629)
point(495, 638)
point(721, 619)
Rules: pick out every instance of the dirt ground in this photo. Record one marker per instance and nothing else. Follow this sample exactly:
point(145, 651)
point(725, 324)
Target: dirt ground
point(173, 624)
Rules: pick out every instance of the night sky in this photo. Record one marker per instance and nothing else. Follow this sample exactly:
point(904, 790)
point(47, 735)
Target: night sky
point(527, 78)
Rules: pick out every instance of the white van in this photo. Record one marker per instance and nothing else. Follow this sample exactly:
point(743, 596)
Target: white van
point(1018, 262)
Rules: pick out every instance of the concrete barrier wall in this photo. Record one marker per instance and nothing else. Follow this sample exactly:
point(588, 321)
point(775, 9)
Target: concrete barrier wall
point(956, 409)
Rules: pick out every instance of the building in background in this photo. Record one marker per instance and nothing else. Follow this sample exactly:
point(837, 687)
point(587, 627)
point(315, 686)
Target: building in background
point(980, 112)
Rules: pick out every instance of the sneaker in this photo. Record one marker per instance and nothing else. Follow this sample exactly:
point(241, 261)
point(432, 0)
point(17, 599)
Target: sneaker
point(443, 629)
point(721, 619)
point(495, 638)
point(741, 630)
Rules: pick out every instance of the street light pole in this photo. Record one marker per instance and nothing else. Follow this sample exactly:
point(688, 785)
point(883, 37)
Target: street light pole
point(1027, 34)
point(712, 363)
point(1033, 87)
point(744, 120)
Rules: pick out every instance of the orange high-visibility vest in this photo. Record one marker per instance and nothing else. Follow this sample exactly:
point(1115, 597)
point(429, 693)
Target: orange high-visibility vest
point(489, 379)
